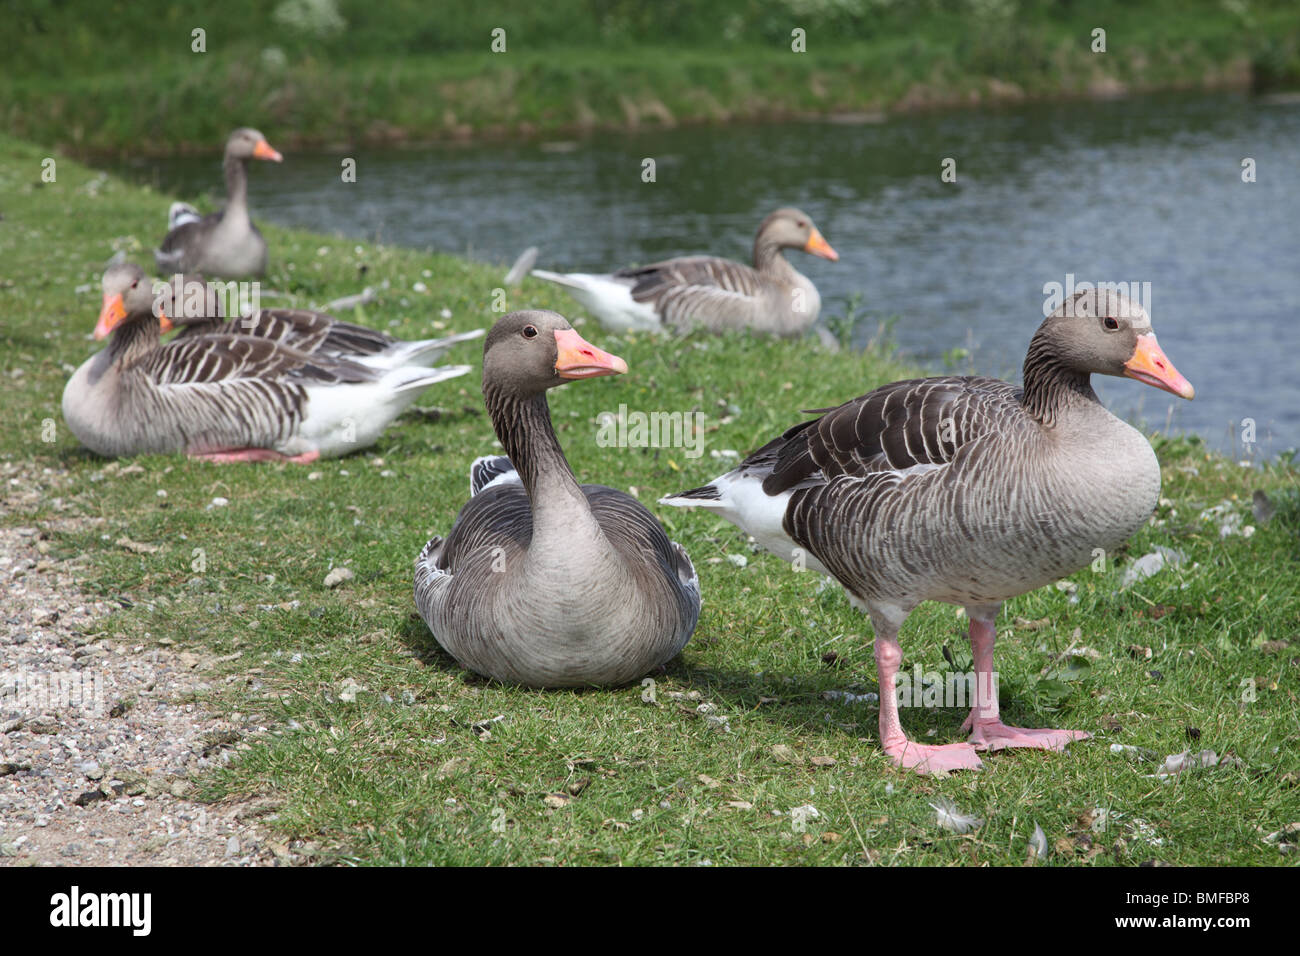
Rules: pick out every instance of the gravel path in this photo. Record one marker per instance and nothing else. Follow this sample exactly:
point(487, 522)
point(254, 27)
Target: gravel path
point(99, 741)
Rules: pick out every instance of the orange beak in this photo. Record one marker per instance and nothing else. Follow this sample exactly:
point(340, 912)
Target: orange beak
point(263, 150)
point(818, 246)
point(165, 324)
point(578, 358)
point(113, 312)
point(1149, 364)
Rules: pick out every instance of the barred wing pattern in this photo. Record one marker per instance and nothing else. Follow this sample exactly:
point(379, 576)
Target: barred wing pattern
point(898, 427)
point(634, 530)
point(302, 329)
point(483, 471)
point(319, 333)
point(698, 288)
point(888, 490)
point(224, 392)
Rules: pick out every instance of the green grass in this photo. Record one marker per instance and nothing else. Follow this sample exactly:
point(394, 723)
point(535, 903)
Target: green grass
point(400, 774)
point(121, 77)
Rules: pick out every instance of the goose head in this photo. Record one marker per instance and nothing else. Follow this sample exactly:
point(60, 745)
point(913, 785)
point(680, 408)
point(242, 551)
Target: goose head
point(1101, 331)
point(791, 228)
point(128, 294)
point(531, 351)
point(246, 143)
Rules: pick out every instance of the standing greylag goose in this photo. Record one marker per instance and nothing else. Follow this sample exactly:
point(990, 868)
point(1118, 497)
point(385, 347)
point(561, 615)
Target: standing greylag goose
point(224, 397)
point(193, 306)
point(223, 243)
point(964, 490)
point(714, 293)
point(542, 581)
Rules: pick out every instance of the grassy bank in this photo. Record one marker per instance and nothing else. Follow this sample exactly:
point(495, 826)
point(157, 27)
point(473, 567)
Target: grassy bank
point(377, 748)
point(121, 78)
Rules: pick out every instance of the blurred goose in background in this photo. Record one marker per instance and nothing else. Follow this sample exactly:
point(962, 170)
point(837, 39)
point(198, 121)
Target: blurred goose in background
point(963, 490)
point(224, 243)
point(717, 294)
point(542, 581)
point(224, 397)
point(195, 308)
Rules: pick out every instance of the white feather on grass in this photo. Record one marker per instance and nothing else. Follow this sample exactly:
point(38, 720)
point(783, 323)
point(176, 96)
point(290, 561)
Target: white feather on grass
point(950, 818)
point(1038, 844)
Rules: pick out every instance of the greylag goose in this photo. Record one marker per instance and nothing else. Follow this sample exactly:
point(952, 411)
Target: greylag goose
point(717, 294)
point(193, 307)
point(224, 397)
point(542, 581)
point(963, 490)
point(224, 243)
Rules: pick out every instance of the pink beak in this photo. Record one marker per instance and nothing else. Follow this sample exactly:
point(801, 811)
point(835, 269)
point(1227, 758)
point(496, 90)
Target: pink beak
point(263, 150)
point(113, 312)
point(578, 358)
point(1149, 364)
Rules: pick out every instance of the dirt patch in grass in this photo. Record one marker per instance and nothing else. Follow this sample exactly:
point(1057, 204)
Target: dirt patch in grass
point(100, 741)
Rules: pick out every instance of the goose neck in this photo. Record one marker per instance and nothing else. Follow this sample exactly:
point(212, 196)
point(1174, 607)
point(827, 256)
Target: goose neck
point(1051, 388)
point(769, 260)
point(135, 336)
point(523, 424)
point(236, 171)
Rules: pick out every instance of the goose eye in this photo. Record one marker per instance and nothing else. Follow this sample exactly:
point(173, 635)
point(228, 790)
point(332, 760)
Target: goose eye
point(1111, 323)
point(530, 332)
point(135, 283)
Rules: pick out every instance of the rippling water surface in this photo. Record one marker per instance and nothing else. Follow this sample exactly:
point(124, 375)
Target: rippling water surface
point(1139, 191)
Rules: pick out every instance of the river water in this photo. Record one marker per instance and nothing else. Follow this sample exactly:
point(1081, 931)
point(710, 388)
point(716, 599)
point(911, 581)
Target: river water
point(1146, 191)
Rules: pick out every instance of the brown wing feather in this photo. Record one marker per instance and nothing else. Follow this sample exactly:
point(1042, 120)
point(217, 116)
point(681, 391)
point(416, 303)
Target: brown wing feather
point(188, 234)
point(722, 292)
point(302, 329)
point(652, 281)
point(208, 358)
point(895, 427)
point(634, 531)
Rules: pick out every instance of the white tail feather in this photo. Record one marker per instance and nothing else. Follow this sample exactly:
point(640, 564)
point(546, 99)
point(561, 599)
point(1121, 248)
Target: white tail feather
point(609, 299)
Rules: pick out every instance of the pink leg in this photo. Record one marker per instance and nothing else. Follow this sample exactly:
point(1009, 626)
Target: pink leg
point(987, 730)
point(255, 454)
point(923, 758)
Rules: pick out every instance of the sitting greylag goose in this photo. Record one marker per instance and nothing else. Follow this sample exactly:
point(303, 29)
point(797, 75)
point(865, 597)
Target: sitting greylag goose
point(224, 397)
point(193, 306)
point(224, 243)
point(542, 581)
point(717, 294)
point(963, 490)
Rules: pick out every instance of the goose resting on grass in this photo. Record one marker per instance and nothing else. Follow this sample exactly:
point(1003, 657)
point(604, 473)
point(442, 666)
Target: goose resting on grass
point(224, 397)
point(542, 581)
point(316, 333)
point(224, 243)
point(963, 490)
point(714, 293)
